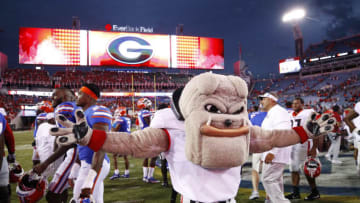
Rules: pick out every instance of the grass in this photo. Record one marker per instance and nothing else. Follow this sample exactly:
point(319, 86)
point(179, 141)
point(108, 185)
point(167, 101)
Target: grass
point(133, 189)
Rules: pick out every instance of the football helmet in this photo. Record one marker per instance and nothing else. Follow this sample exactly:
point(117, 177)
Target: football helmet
point(144, 103)
point(312, 167)
point(15, 172)
point(45, 106)
point(31, 187)
point(120, 111)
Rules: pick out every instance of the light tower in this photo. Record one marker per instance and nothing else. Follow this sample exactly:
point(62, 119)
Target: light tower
point(293, 17)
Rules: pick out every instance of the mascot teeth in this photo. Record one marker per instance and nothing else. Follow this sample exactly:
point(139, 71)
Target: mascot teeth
point(209, 121)
point(208, 130)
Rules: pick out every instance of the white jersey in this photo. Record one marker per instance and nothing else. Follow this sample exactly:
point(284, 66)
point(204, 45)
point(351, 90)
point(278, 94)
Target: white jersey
point(356, 122)
point(191, 180)
point(45, 147)
point(299, 119)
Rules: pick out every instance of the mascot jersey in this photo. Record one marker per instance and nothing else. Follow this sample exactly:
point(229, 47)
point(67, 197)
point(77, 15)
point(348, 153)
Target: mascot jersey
point(41, 116)
point(256, 118)
point(124, 122)
point(141, 117)
point(94, 114)
point(191, 180)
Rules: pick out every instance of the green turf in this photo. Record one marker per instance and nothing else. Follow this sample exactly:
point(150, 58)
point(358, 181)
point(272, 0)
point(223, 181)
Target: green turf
point(133, 189)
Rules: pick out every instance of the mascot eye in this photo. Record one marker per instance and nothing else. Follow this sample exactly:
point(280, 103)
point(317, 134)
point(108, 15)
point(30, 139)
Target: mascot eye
point(211, 108)
point(239, 111)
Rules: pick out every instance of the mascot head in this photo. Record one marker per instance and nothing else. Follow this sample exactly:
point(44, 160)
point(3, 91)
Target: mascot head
point(220, 102)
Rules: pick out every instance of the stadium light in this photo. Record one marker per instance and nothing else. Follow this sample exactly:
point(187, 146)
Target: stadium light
point(294, 15)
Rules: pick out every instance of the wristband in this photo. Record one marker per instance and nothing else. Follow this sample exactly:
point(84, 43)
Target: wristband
point(302, 134)
point(97, 140)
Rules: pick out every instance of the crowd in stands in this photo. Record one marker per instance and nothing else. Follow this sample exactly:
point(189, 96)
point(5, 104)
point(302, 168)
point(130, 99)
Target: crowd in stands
point(333, 47)
point(26, 78)
point(318, 91)
point(106, 80)
point(13, 103)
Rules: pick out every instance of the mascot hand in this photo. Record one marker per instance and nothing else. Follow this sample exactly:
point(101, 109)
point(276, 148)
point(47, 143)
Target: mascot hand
point(79, 132)
point(318, 125)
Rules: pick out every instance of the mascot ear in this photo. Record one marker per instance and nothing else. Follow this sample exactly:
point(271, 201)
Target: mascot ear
point(175, 103)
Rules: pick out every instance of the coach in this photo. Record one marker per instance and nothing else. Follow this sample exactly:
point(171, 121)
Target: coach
point(277, 158)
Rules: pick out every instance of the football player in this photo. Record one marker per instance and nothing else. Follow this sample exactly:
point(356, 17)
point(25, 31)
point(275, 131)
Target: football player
point(352, 120)
point(95, 166)
point(4, 170)
point(144, 118)
point(121, 124)
point(300, 152)
point(62, 101)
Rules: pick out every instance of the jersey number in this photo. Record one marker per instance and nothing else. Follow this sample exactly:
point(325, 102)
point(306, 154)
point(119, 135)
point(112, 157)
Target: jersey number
point(297, 122)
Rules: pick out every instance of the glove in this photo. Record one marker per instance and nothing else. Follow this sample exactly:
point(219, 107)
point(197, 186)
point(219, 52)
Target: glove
point(11, 158)
point(318, 125)
point(79, 132)
point(89, 199)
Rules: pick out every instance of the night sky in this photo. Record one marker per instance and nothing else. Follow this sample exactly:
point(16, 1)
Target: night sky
point(255, 25)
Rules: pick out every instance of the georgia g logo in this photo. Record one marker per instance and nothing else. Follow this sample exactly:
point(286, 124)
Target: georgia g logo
point(130, 50)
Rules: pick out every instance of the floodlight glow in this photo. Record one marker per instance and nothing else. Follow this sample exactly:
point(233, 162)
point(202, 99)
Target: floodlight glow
point(294, 15)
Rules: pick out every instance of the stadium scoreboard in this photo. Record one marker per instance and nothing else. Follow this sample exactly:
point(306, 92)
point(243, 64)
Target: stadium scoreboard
point(46, 46)
point(290, 65)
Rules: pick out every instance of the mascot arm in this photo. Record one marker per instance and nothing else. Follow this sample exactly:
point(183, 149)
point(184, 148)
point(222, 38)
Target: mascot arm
point(264, 140)
point(149, 142)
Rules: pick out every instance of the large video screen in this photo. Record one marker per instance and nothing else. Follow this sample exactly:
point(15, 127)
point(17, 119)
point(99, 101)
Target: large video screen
point(128, 49)
point(197, 52)
point(100, 48)
point(52, 46)
point(291, 65)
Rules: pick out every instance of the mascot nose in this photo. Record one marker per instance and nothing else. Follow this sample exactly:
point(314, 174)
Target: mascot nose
point(228, 122)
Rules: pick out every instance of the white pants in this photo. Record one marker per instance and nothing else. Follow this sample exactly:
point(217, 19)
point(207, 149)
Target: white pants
point(334, 147)
point(299, 154)
point(4, 173)
point(98, 192)
point(187, 200)
point(59, 182)
point(272, 179)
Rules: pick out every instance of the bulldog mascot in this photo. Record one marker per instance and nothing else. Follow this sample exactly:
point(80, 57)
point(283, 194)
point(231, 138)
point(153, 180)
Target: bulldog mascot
point(206, 137)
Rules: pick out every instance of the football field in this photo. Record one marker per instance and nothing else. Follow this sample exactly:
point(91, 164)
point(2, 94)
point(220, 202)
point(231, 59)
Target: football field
point(134, 189)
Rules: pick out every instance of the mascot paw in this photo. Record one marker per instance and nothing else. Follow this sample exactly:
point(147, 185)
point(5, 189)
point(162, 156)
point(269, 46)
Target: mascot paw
point(319, 125)
point(79, 132)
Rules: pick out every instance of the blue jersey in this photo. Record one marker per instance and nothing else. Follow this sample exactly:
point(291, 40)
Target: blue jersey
point(256, 118)
point(68, 110)
point(40, 117)
point(124, 122)
point(2, 124)
point(141, 117)
point(94, 114)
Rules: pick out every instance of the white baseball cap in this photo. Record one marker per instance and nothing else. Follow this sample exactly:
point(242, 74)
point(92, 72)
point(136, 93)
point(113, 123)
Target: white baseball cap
point(2, 111)
point(269, 95)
